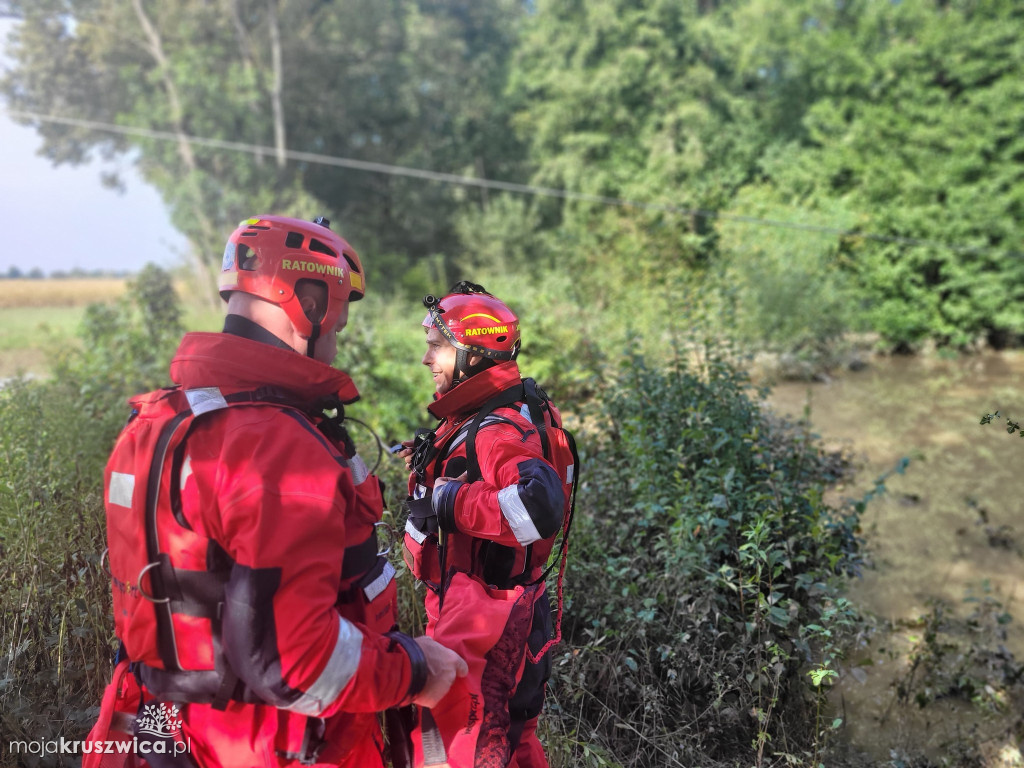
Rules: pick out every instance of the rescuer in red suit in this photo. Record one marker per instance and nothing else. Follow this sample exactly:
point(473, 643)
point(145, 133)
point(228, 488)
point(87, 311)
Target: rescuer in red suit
point(485, 506)
point(249, 590)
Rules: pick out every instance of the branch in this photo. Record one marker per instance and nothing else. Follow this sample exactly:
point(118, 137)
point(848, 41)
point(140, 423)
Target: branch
point(275, 94)
point(156, 50)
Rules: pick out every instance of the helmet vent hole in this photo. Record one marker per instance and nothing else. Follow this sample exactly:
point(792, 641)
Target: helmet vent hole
point(246, 258)
point(500, 339)
point(352, 265)
point(294, 240)
point(317, 247)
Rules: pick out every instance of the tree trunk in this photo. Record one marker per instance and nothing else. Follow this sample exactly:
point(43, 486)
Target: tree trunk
point(275, 94)
point(208, 234)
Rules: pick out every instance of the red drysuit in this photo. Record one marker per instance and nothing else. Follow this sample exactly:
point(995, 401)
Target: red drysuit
point(481, 546)
point(253, 531)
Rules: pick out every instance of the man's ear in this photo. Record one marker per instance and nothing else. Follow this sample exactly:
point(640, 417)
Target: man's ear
point(312, 296)
point(309, 308)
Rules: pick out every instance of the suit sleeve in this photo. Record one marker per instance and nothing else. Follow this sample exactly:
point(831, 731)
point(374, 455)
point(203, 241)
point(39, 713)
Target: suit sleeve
point(519, 498)
point(284, 500)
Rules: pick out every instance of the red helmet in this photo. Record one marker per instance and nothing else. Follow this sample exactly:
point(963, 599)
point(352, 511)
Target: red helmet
point(475, 323)
point(267, 255)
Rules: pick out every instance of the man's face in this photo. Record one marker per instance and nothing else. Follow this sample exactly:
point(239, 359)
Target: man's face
point(440, 359)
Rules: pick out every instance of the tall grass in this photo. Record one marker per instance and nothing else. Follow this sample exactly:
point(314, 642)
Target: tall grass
point(55, 434)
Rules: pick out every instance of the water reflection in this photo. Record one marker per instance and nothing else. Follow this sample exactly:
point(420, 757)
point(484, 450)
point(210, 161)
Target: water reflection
point(948, 529)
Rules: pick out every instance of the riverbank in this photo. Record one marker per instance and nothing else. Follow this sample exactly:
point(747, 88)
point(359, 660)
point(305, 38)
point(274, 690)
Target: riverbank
point(936, 673)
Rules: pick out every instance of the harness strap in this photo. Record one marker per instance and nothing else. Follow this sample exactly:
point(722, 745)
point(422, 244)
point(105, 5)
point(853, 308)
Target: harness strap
point(228, 689)
point(194, 593)
point(312, 743)
point(166, 644)
point(197, 686)
point(507, 397)
point(201, 593)
point(433, 745)
point(360, 558)
point(562, 559)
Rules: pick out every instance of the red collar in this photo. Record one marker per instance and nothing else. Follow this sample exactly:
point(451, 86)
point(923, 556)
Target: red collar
point(469, 395)
point(230, 362)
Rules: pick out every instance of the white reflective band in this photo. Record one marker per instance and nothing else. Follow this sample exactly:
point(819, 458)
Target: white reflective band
point(569, 472)
point(417, 535)
point(378, 585)
point(464, 432)
point(340, 669)
point(186, 471)
point(205, 399)
point(358, 469)
point(121, 490)
point(518, 518)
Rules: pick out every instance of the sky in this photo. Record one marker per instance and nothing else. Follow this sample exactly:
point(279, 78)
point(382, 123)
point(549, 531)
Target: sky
point(62, 218)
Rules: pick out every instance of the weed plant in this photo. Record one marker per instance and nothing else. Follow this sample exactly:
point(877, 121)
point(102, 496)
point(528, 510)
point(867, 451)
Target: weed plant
point(55, 435)
point(706, 577)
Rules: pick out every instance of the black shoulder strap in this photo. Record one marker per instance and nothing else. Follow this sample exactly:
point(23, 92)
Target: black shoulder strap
point(536, 401)
point(507, 397)
point(567, 525)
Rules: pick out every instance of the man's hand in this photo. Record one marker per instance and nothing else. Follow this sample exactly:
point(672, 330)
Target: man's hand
point(443, 666)
point(404, 450)
point(460, 479)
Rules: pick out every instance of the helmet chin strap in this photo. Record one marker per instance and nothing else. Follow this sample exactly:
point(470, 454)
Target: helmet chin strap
point(463, 370)
point(311, 342)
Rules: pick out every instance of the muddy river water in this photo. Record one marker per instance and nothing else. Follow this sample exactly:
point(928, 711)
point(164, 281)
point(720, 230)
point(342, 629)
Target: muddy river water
point(948, 529)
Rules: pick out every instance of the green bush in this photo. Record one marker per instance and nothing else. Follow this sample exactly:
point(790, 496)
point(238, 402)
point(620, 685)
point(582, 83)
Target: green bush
point(785, 288)
point(705, 575)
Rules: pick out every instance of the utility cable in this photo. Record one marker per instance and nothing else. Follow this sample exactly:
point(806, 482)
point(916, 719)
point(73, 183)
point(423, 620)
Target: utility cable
point(490, 184)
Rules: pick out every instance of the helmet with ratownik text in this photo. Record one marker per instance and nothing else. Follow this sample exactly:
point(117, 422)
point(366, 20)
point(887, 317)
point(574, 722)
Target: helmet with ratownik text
point(266, 256)
point(475, 323)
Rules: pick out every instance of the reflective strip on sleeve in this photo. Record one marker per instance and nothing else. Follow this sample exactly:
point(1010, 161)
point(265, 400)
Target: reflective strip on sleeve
point(358, 469)
point(518, 518)
point(378, 585)
point(340, 669)
point(121, 490)
point(417, 535)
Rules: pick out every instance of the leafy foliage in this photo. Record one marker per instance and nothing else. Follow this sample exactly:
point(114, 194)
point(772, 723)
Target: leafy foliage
point(706, 571)
point(871, 149)
point(911, 119)
point(407, 83)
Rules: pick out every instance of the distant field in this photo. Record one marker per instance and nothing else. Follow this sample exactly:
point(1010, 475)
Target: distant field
point(28, 308)
point(73, 292)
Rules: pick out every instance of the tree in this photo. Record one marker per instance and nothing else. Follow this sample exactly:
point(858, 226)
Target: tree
point(395, 81)
point(629, 99)
point(911, 118)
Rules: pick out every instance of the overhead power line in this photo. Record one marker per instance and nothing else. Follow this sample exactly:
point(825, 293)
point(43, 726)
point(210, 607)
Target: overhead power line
point(490, 184)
